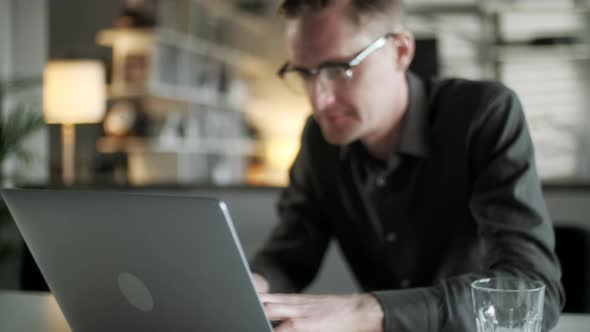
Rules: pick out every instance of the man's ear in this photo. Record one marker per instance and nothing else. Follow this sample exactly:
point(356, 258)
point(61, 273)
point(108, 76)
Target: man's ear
point(405, 46)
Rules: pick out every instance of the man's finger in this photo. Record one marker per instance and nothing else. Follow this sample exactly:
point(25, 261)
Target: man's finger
point(287, 298)
point(260, 283)
point(283, 312)
point(286, 326)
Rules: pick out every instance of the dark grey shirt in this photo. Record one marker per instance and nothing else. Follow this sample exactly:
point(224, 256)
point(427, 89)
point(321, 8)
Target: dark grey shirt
point(458, 200)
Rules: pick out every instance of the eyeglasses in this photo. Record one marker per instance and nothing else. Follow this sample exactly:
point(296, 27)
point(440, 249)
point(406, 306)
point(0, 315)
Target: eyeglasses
point(329, 73)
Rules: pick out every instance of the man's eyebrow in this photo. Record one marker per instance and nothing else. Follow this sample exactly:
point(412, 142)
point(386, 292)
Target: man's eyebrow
point(344, 61)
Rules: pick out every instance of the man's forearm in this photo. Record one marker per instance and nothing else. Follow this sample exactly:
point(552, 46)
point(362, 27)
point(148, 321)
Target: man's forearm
point(371, 313)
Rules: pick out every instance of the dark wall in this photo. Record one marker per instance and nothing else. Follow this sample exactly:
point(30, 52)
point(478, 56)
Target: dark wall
point(73, 25)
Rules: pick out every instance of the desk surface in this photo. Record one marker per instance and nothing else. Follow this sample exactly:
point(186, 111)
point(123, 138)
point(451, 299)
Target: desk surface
point(36, 312)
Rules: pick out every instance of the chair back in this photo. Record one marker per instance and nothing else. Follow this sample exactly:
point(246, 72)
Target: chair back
point(572, 245)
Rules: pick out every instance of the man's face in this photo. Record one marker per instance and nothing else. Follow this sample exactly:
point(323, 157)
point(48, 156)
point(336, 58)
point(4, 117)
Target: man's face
point(366, 104)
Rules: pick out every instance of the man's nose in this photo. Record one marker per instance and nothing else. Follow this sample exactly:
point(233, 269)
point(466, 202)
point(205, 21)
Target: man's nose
point(322, 94)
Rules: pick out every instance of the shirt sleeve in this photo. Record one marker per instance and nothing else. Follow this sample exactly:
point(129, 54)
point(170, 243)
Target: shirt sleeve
point(291, 257)
point(514, 229)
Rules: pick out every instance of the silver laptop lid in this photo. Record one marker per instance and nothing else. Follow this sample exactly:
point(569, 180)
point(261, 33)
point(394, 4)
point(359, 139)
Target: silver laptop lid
point(135, 262)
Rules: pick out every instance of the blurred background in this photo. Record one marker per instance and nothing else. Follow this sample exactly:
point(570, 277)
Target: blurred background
point(192, 96)
point(183, 94)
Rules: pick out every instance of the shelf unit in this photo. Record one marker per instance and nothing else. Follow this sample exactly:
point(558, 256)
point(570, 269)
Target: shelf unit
point(232, 147)
point(538, 48)
point(176, 97)
point(189, 75)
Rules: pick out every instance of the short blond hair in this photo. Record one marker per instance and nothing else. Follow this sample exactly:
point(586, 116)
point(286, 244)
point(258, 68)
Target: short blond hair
point(359, 9)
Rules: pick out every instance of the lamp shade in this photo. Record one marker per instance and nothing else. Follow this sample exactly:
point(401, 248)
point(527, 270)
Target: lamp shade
point(74, 91)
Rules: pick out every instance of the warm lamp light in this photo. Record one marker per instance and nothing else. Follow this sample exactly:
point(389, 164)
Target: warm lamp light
point(74, 92)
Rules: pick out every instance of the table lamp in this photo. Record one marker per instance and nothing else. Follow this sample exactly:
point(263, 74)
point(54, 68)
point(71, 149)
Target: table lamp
point(74, 92)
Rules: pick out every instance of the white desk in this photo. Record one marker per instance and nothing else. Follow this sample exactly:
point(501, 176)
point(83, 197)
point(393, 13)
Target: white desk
point(35, 312)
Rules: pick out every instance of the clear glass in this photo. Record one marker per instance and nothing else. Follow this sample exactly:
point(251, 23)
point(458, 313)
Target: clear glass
point(508, 305)
point(329, 77)
point(294, 82)
point(329, 73)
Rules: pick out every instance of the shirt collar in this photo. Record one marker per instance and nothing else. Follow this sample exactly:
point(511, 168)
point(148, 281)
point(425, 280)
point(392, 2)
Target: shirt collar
point(414, 129)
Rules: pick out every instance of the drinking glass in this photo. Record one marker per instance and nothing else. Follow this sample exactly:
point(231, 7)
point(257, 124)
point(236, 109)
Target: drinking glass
point(508, 304)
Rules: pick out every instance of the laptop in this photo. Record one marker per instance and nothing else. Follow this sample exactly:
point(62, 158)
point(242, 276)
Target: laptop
point(119, 261)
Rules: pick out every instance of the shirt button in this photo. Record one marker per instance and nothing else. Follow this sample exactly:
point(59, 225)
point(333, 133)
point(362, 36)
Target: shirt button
point(391, 237)
point(381, 180)
point(405, 283)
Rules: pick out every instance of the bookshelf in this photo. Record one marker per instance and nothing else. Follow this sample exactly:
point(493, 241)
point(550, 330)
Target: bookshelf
point(540, 49)
point(189, 75)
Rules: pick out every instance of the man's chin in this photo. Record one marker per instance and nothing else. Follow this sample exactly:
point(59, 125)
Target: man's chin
point(339, 138)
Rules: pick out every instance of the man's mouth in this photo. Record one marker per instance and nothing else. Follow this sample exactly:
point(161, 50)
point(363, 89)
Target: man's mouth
point(335, 117)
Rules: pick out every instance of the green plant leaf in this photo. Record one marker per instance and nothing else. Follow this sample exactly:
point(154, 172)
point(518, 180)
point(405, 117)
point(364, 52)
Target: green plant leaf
point(18, 84)
point(16, 126)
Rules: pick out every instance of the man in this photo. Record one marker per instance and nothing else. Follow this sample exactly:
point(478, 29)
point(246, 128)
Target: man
point(426, 186)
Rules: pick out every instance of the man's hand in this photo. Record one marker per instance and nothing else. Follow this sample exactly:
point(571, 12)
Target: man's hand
point(260, 283)
point(312, 313)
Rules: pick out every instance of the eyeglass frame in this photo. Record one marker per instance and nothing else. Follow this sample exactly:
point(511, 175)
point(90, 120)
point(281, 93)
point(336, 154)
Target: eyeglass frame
point(347, 66)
